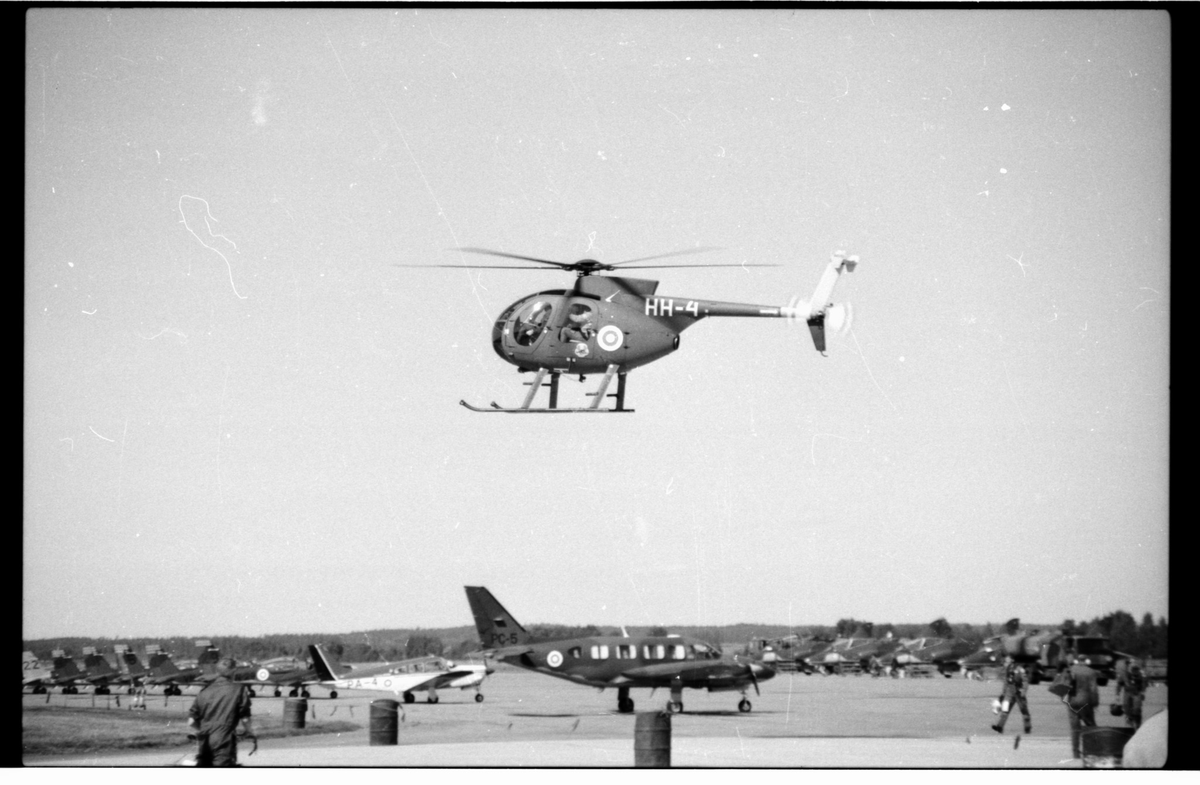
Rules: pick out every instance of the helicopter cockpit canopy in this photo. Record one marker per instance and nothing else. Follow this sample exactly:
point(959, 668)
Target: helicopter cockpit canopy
point(531, 323)
point(702, 651)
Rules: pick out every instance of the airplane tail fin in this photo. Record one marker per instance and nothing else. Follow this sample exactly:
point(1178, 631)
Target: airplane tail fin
point(818, 312)
point(324, 663)
point(127, 660)
point(496, 626)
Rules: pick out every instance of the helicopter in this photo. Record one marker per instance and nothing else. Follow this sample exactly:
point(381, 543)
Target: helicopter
point(612, 324)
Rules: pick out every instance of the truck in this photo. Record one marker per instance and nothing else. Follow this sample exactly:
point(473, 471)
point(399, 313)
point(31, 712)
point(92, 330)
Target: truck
point(1043, 652)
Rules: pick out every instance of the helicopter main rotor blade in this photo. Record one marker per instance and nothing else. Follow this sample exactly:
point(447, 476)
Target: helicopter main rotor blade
point(473, 266)
point(513, 256)
point(680, 266)
point(686, 251)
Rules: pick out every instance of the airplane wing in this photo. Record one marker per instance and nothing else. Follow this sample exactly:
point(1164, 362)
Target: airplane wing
point(508, 651)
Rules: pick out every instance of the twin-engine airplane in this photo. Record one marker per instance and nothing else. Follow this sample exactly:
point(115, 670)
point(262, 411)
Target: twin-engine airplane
point(610, 325)
point(420, 674)
point(671, 661)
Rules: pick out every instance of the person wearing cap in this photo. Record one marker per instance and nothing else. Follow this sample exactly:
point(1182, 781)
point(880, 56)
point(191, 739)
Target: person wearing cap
point(1015, 684)
point(1082, 699)
point(215, 714)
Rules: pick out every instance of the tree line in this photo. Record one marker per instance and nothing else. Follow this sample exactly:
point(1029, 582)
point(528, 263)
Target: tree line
point(1147, 639)
point(1125, 634)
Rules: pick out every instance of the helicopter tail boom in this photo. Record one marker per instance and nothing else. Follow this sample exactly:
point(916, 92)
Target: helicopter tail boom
point(818, 312)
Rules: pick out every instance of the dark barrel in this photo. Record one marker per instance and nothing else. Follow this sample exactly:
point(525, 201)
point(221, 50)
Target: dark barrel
point(294, 710)
point(385, 722)
point(652, 740)
point(1102, 748)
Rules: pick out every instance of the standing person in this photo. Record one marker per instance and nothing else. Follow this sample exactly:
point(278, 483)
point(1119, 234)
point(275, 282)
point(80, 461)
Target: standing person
point(216, 712)
point(139, 696)
point(1082, 699)
point(1133, 684)
point(1015, 685)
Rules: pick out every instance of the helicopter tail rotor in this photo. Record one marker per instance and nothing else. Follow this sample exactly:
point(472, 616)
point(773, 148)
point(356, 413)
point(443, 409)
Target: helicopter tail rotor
point(818, 313)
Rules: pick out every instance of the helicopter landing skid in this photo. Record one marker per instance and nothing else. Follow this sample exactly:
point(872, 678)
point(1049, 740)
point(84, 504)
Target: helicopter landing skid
point(495, 408)
point(536, 384)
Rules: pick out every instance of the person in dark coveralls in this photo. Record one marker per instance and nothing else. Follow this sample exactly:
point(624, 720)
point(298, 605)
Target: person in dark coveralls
point(216, 712)
point(1133, 684)
point(1082, 700)
point(1015, 685)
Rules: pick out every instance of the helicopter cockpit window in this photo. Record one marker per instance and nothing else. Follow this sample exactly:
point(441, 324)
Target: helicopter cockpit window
point(580, 324)
point(705, 652)
point(531, 324)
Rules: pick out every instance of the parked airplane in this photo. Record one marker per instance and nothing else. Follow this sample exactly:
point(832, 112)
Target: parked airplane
point(170, 675)
point(66, 673)
point(945, 653)
point(279, 672)
point(35, 673)
point(428, 674)
point(670, 661)
point(851, 654)
point(134, 672)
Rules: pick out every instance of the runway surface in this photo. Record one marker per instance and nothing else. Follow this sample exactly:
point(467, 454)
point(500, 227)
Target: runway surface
point(529, 720)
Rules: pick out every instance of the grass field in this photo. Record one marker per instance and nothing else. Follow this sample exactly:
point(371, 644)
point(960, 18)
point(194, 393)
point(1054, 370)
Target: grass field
point(69, 730)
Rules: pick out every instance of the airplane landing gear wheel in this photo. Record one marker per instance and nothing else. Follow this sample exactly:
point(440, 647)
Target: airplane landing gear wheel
point(432, 699)
point(408, 697)
point(333, 693)
point(625, 706)
point(252, 693)
point(304, 694)
point(744, 705)
point(479, 697)
point(293, 693)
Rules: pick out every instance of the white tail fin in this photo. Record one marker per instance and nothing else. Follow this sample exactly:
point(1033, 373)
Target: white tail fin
point(818, 312)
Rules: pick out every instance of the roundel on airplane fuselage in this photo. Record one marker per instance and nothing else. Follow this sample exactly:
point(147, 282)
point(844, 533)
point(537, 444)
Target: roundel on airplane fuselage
point(554, 659)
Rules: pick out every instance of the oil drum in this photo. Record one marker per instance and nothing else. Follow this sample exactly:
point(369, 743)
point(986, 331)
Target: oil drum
point(385, 722)
point(1102, 748)
point(294, 710)
point(652, 740)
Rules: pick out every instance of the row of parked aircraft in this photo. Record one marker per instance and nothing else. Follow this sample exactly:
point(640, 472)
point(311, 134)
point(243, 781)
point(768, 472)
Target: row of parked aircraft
point(669, 662)
point(420, 674)
point(1040, 651)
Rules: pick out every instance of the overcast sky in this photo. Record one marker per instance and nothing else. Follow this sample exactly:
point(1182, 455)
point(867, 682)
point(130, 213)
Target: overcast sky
point(242, 418)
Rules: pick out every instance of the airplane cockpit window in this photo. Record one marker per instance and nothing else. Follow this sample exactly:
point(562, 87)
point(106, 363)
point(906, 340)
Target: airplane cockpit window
point(531, 324)
point(705, 652)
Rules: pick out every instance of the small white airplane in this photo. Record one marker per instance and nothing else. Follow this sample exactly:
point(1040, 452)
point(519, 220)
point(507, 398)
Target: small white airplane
point(428, 674)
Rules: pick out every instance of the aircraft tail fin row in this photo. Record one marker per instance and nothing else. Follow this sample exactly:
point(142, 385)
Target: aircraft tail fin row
point(496, 626)
point(818, 312)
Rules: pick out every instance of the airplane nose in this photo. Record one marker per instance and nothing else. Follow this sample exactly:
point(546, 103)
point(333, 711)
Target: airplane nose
point(761, 671)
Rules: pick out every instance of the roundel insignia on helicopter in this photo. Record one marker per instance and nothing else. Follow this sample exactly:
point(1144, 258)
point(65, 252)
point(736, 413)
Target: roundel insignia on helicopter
point(263, 674)
point(554, 659)
point(610, 338)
